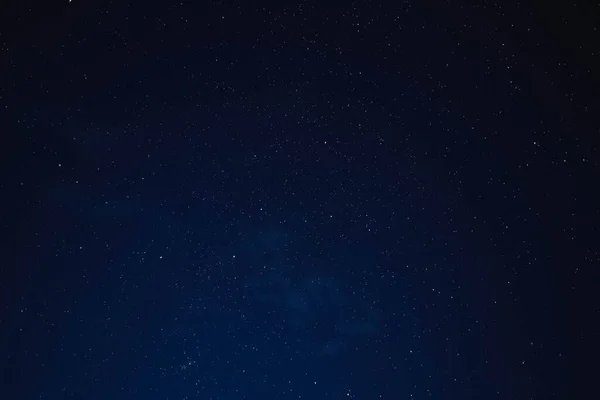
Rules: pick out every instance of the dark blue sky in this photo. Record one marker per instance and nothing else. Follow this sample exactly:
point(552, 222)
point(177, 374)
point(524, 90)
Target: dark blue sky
point(270, 200)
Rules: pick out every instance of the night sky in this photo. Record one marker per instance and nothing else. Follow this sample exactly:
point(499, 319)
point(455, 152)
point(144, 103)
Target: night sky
point(299, 200)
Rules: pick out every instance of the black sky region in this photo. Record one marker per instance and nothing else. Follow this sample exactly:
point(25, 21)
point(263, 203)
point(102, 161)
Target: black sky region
point(299, 200)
